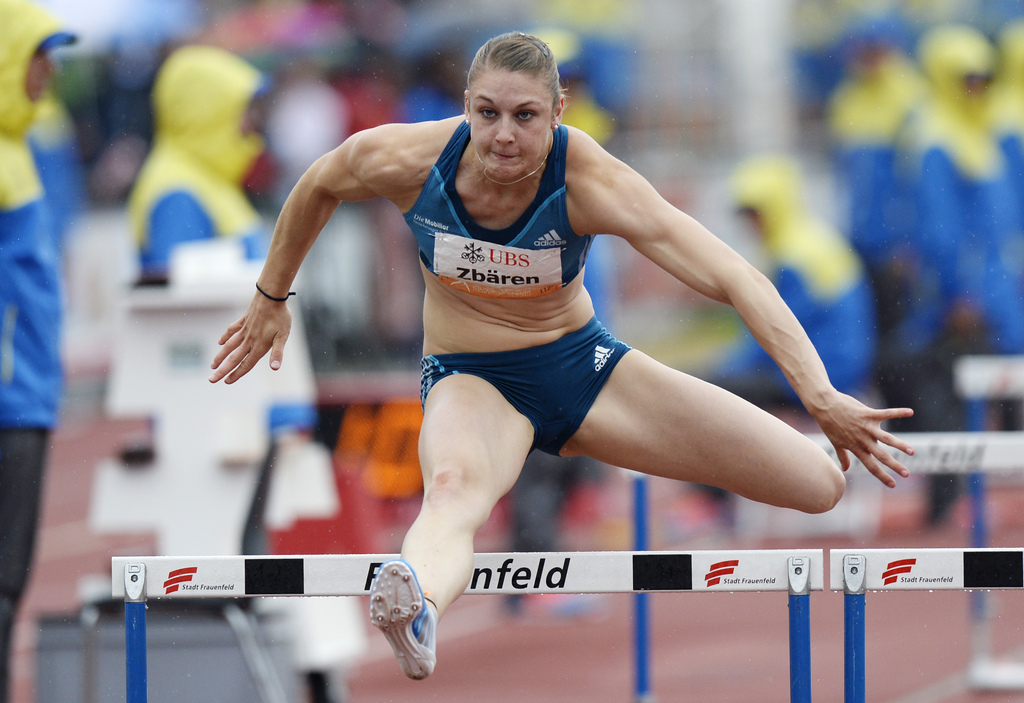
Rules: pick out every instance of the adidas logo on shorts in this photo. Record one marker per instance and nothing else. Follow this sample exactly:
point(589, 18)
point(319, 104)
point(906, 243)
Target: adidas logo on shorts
point(601, 356)
point(551, 239)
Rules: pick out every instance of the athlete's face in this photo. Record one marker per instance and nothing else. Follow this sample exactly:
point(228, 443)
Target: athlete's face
point(511, 115)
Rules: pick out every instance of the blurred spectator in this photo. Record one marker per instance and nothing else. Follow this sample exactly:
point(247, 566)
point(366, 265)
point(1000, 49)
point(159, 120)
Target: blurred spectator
point(370, 87)
point(606, 48)
point(1008, 103)
point(868, 114)
point(819, 276)
point(209, 117)
point(52, 139)
point(305, 119)
point(30, 302)
point(125, 116)
point(1008, 108)
point(384, 313)
point(582, 110)
point(967, 210)
point(969, 300)
point(437, 87)
point(207, 136)
point(1008, 99)
point(817, 57)
point(538, 502)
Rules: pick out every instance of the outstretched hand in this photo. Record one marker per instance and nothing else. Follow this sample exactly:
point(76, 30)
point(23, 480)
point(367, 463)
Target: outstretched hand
point(264, 327)
point(853, 427)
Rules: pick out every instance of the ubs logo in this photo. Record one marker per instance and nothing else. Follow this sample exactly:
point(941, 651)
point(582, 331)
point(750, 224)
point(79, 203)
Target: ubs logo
point(473, 254)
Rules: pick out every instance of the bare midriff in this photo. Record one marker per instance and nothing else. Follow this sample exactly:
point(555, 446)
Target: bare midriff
point(459, 322)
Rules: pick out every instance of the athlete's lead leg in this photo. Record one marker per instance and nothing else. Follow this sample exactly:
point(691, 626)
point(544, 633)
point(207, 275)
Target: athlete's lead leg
point(472, 448)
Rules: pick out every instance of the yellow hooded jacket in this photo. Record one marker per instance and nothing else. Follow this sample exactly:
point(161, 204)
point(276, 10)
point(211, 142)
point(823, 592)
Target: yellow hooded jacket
point(23, 26)
point(953, 119)
point(816, 271)
point(872, 108)
point(31, 376)
point(771, 186)
point(199, 100)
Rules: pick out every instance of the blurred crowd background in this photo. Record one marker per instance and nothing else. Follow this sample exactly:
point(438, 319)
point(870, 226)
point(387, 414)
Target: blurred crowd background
point(683, 90)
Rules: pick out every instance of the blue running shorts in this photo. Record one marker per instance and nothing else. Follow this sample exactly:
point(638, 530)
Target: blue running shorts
point(553, 385)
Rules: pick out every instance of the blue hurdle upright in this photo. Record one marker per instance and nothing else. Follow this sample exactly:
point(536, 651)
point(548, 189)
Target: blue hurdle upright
point(798, 572)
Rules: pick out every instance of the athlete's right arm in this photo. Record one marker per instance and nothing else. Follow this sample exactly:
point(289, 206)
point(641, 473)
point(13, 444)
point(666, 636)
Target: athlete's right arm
point(389, 161)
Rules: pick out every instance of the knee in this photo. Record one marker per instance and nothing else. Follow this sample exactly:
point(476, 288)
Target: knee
point(455, 491)
point(447, 483)
point(831, 489)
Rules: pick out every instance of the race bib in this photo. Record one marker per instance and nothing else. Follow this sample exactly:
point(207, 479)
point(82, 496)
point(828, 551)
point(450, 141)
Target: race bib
point(496, 271)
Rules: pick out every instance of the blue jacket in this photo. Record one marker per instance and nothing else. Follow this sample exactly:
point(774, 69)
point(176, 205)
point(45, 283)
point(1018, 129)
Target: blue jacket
point(30, 291)
point(816, 272)
point(967, 210)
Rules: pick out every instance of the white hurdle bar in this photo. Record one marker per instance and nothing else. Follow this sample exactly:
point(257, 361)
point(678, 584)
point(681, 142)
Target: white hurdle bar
point(136, 579)
point(953, 452)
point(856, 571)
point(982, 377)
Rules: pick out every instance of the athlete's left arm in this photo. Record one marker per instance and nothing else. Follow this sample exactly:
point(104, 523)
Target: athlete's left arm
point(606, 195)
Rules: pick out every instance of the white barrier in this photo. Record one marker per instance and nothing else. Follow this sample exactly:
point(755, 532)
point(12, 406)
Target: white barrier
point(977, 377)
point(798, 572)
point(511, 572)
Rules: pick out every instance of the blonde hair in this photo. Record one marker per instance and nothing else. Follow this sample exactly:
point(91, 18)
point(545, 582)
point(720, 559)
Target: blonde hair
point(518, 52)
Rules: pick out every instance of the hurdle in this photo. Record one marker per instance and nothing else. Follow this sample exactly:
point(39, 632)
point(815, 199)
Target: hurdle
point(974, 454)
point(979, 380)
point(857, 571)
point(137, 579)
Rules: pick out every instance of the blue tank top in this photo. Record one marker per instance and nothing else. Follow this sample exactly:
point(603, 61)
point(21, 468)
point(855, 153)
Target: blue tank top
point(537, 254)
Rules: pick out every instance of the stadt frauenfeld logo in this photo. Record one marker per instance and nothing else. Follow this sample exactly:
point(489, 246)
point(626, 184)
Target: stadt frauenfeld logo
point(720, 569)
point(896, 568)
point(178, 577)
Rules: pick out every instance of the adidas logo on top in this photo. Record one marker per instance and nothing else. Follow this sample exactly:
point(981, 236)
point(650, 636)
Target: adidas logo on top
point(551, 239)
point(601, 356)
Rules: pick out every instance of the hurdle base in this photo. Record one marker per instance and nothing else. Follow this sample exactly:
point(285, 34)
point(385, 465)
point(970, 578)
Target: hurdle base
point(989, 675)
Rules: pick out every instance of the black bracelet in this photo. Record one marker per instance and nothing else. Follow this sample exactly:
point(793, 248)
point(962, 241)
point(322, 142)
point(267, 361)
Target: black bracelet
point(275, 299)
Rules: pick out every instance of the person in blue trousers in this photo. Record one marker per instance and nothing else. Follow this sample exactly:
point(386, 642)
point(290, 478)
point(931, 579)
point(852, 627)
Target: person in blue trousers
point(31, 378)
